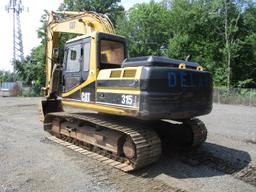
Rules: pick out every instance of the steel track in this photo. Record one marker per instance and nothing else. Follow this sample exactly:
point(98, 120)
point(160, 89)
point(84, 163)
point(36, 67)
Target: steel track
point(147, 142)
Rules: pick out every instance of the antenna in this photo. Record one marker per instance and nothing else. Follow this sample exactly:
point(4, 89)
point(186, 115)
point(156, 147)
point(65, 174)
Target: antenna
point(16, 8)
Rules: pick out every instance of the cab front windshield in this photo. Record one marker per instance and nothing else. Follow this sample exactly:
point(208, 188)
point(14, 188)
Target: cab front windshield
point(111, 52)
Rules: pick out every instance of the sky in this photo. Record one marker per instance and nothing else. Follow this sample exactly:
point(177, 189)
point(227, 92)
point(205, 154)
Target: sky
point(30, 22)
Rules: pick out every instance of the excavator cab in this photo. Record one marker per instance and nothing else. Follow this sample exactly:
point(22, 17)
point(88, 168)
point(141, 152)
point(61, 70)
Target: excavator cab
point(84, 57)
point(86, 54)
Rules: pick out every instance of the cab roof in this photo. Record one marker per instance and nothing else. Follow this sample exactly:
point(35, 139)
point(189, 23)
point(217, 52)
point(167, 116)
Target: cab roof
point(93, 34)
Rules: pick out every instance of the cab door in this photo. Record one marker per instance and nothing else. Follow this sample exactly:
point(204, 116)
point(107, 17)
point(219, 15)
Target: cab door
point(76, 64)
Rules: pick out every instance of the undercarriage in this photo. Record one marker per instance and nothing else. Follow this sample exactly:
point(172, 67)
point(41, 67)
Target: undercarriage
point(124, 143)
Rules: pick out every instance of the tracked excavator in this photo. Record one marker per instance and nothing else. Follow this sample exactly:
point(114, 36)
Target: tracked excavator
point(132, 99)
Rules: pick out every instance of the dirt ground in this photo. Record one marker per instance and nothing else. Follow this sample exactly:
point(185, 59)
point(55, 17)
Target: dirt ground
point(31, 162)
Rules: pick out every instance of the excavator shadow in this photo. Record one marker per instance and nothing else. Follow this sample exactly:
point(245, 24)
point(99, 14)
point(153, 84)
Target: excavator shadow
point(207, 161)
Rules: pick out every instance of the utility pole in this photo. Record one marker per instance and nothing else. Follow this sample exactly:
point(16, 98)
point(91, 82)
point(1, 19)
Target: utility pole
point(16, 8)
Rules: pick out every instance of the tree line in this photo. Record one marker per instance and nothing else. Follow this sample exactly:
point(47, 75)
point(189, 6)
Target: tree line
point(218, 34)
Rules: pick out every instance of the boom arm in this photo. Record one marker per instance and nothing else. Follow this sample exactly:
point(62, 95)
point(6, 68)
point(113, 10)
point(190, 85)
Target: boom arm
point(74, 22)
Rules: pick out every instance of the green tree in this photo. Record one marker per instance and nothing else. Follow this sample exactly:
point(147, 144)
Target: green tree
point(244, 68)
point(111, 8)
point(6, 76)
point(147, 28)
point(196, 33)
point(213, 32)
point(31, 70)
point(218, 34)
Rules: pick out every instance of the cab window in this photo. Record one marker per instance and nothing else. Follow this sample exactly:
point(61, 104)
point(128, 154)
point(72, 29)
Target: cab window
point(73, 62)
point(111, 52)
point(86, 56)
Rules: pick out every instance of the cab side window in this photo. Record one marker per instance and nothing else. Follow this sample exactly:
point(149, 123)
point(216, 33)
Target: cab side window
point(73, 61)
point(76, 64)
point(86, 56)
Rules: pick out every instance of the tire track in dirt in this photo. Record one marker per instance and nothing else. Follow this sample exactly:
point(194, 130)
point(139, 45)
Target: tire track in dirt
point(124, 181)
point(239, 169)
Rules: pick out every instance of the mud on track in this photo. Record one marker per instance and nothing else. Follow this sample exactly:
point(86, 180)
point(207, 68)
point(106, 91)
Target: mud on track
point(31, 162)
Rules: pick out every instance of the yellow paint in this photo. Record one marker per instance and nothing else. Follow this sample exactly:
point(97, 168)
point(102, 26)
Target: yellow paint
point(100, 108)
point(182, 66)
point(199, 68)
point(90, 80)
point(106, 73)
point(119, 88)
point(118, 91)
point(93, 69)
point(78, 23)
point(87, 25)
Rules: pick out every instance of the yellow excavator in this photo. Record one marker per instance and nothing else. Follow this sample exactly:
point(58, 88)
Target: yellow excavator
point(132, 99)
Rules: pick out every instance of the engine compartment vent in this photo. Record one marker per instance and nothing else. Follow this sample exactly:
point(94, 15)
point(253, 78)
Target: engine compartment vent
point(129, 73)
point(115, 74)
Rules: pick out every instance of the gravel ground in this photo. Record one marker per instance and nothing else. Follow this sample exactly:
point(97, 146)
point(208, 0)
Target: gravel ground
point(30, 162)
